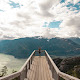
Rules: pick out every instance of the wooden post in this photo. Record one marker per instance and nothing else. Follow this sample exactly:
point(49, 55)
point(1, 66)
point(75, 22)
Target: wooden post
point(53, 73)
point(58, 77)
point(49, 63)
point(22, 75)
point(18, 78)
point(52, 69)
point(34, 53)
point(45, 54)
point(29, 64)
point(31, 60)
point(26, 72)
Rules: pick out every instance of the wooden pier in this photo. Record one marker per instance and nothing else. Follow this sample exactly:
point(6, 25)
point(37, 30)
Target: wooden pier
point(39, 68)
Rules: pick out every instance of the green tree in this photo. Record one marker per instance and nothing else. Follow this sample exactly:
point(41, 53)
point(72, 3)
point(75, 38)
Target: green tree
point(13, 71)
point(4, 71)
point(0, 75)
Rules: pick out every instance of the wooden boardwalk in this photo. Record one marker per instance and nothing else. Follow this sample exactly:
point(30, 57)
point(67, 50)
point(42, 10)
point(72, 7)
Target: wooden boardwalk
point(39, 69)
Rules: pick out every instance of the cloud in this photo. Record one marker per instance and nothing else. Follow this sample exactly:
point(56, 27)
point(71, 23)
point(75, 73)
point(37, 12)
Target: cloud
point(45, 7)
point(28, 20)
point(71, 27)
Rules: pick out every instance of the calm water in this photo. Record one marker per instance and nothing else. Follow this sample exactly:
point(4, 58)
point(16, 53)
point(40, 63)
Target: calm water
point(11, 62)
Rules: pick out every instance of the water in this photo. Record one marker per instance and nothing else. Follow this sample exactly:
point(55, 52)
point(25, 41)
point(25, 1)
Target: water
point(11, 62)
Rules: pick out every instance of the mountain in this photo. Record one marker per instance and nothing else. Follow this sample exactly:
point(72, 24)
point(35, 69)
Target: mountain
point(70, 65)
point(76, 40)
point(23, 47)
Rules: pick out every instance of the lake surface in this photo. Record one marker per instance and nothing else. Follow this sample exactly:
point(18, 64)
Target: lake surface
point(11, 62)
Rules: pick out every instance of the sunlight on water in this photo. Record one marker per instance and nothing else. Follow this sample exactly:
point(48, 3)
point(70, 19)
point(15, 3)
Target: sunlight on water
point(11, 62)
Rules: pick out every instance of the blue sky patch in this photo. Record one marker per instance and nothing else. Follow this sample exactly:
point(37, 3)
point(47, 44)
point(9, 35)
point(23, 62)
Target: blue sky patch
point(1, 10)
point(14, 5)
point(76, 7)
point(62, 1)
point(54, 24)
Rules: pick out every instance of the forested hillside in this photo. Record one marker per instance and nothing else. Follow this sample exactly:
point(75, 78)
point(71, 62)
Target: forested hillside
point(22, 48)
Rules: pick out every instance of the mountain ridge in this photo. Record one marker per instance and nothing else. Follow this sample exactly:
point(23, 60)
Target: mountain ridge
point(23, 47)
point(76, 40)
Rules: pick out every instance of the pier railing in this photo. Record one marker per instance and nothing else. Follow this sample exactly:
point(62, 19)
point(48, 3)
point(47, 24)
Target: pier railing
point(22, 73)
point(56, 73)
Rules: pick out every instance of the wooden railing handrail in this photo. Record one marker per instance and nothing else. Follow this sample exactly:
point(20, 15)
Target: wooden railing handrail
point(11, 76)
point(17, 74)
point(66, 76)
point(27, 61)
point(55, 67)
point(59, 73)
point(38, 50)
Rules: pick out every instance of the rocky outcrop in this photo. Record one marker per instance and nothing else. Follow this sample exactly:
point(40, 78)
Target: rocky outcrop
point(57, 61)
point(67, 63)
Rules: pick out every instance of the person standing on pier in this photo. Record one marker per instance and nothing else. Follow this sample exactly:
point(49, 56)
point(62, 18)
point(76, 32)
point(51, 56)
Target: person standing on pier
point(39, 51)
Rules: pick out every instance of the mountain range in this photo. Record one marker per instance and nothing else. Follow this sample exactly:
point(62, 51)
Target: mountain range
point(23, 47)
point(76, 40)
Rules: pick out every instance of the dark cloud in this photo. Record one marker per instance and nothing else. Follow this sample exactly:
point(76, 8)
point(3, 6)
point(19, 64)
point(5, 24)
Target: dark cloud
point(8, 37)
point(75, 22)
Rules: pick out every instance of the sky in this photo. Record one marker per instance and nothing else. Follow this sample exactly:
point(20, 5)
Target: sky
point(45, 18)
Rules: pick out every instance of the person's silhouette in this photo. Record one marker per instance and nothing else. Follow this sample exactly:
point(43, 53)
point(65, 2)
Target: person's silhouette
point(39, 51)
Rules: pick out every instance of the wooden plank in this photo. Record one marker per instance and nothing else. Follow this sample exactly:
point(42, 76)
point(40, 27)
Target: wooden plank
point(39, 69)
point(49, 75)
point(48, 71)
point(42, 75)
point(43, 70)
point(34, 68)
point(31, 71)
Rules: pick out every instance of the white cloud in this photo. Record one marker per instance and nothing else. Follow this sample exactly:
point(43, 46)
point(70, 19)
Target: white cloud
point(28, 20)
point(4, 5)
point(70, 27)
